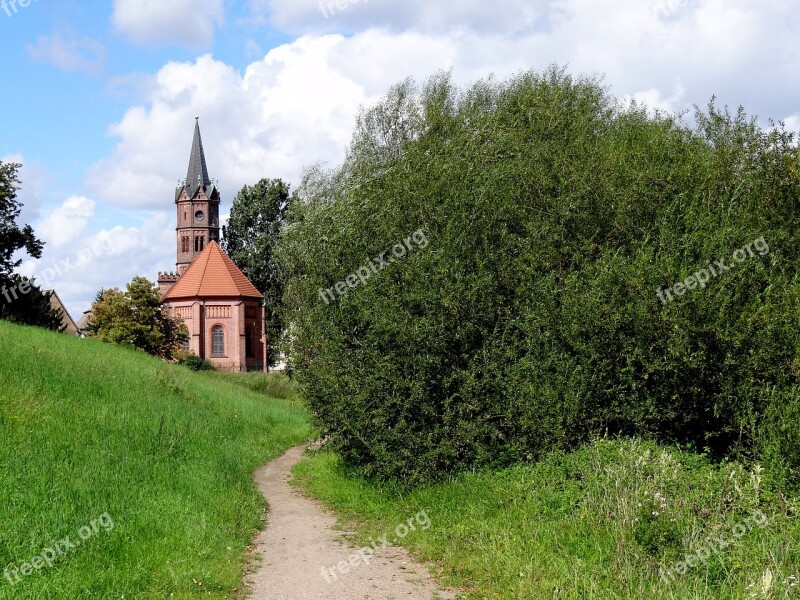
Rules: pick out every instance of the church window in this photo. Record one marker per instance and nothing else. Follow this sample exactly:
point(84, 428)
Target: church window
point(248, 342)
point(217, 341)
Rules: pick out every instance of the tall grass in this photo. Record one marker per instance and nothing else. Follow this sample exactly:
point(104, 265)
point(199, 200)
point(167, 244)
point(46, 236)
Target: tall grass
point(88, 429)
point(275, 385)
point(601, 522)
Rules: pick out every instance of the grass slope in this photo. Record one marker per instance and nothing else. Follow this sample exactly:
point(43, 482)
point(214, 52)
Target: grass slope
point(597, 523)
point(88, 429)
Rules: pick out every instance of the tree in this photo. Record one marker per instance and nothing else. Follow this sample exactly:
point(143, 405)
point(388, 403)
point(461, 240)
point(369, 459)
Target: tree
point(138, 319)
point(21, 301)
point(253, 231)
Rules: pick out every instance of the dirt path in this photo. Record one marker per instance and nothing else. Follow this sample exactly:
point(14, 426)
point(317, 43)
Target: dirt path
point(300, 552)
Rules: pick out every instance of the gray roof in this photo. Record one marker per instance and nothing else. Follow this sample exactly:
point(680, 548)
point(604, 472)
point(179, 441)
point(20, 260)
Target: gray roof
point(197, 174)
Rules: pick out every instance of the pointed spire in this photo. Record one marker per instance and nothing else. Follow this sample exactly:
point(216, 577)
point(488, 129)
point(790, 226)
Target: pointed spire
point(198, 172)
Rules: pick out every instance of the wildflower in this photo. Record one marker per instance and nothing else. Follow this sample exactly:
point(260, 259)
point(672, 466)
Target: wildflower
point(681, 502)
point(704, 513)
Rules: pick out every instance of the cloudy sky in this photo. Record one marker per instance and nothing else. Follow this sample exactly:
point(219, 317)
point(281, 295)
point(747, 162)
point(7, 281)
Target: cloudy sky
point(99, 97)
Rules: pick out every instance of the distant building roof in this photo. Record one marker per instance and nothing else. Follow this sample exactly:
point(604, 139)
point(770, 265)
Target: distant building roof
point(83, 322)
point(66, 320)
point(212, 275)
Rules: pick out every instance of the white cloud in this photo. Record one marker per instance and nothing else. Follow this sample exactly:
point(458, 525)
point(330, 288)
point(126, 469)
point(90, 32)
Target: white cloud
point(69, 53)
point(108, 258)
point(186, 22)
point(286, 111)
point(65, 223)
point(504, 17)
point(793, 123)
point(297, 105)
point(654, 100)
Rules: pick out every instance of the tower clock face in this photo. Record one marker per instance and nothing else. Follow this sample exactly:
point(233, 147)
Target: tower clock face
point(199, 216)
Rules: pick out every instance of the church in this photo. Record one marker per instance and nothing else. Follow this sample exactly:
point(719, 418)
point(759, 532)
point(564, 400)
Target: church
point(221, 308)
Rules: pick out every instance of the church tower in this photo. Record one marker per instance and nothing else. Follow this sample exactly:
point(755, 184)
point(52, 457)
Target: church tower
point(197, 201)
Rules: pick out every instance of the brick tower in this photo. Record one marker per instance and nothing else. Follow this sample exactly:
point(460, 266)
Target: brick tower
point(197, 200)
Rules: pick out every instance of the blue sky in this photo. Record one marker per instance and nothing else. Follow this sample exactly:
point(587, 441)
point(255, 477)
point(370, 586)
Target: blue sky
point(99, 97)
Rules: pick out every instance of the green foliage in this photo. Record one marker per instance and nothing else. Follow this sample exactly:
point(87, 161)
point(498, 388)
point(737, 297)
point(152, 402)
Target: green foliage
point(12, 237)
point(655, 534)
point(192, 361)
point(138, 319)
point(24, 303)
point(249, 238)
point(599, 522)
point(531, 320)
point(91, 428)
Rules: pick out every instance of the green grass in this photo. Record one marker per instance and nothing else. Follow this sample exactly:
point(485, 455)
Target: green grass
point(597, 523)
point(90, 429)
point(274, 385)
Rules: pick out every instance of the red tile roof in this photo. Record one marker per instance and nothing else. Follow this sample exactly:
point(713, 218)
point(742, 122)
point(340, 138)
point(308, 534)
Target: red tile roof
point(212, 274)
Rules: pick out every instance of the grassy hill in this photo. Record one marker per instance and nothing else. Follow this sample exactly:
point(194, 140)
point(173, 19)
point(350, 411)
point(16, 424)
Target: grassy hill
point(147, 466)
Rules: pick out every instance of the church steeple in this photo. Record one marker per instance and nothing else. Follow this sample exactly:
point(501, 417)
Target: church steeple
point(197, 175)
point(197, 199)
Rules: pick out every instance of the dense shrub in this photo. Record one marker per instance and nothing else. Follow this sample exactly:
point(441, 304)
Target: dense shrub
point(192, 361)
point(531, 319)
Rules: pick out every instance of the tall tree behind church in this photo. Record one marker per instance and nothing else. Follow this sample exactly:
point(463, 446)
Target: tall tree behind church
point(250, 237)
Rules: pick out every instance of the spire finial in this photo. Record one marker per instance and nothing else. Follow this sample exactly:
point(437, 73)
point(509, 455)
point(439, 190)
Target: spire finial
point(197, 117)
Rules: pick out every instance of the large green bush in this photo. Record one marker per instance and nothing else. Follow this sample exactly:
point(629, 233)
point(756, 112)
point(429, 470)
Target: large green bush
point(531, 320)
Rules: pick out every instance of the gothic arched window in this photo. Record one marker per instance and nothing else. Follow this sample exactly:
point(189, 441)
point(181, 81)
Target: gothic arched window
point(217, 341)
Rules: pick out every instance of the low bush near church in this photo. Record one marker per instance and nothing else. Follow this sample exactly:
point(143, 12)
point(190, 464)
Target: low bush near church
point(192, 361)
